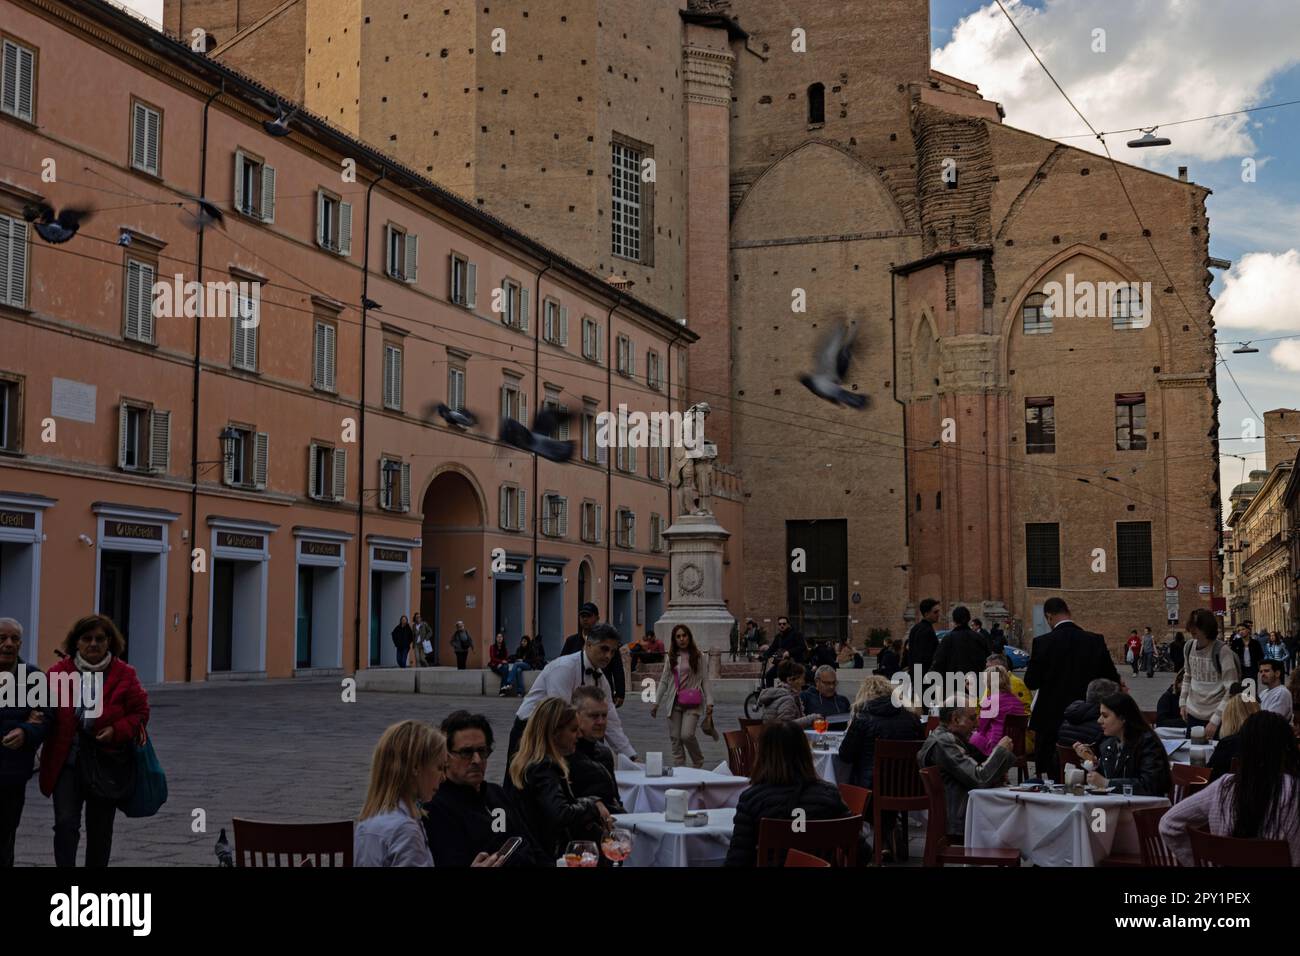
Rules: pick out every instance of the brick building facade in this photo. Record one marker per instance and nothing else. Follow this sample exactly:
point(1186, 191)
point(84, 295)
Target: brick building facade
point(1003, 457)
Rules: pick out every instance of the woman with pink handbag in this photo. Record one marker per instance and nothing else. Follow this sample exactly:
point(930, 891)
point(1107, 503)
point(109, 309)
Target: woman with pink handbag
point(684, 688)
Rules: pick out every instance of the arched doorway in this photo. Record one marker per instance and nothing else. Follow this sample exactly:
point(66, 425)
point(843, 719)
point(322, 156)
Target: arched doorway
point(584, 582)
point(452, 536)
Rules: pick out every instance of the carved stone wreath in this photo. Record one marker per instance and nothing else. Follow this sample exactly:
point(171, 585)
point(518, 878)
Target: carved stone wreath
point(690, 579)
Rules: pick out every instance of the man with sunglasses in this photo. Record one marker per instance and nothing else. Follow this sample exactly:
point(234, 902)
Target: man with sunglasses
point(21, 731)
point(788, 643)
point(468, 815)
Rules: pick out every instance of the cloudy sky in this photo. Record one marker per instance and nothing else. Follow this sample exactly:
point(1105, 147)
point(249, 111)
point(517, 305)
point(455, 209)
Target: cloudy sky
point(1164, 61)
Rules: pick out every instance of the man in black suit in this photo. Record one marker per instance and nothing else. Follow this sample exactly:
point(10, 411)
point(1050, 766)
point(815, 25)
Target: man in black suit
point(922, 642)
point(1249, 651)
point(963, 652)
point(1061, 666)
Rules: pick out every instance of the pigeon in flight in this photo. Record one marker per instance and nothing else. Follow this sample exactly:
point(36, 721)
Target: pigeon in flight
point(208, 215)
point(832, 360)
point(225, 854)
point(55, 229)
point(460, 417)
point(538, 440)
point(280, 125)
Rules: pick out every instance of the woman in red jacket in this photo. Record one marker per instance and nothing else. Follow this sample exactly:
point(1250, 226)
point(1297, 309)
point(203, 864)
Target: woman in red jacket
point(98, 734)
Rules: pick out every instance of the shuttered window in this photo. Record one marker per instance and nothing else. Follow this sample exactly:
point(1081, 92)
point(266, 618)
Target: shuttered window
point(333, 224)
point(146, 142)
point(138, 306)
point(244, 323)
point(593, 522)
point(11, 415)
point(513, 510)
point(464, 280)
point(18, 81)
point(514, 305)
point(249, 464)
point(327, 472)
point(625, 528)
point(13, 262)
point(555, 323)
point(656, 532)
point(456, 388)
point(555, 516)
point(392, 376)
point(323, 356)
point(254, 187)
point(402, 256)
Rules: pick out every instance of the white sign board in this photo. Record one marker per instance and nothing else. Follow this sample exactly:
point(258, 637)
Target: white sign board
point(73, 400)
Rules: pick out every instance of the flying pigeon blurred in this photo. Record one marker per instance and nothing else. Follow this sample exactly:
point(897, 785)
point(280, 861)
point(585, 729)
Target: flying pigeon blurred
point(831, 365)
point(208, 215)
point(54, 229)
point(460, 417)
point(225, 855)
point(280, 125)
point(539, 440)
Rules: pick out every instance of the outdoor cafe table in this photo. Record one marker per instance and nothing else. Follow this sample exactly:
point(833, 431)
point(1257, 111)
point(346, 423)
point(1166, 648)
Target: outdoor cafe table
point(827, 762)
point(656, 842)
point(706, 789)
point(1055, 829)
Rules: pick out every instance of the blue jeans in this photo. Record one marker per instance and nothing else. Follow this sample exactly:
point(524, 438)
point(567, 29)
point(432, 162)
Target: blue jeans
point(515, 675)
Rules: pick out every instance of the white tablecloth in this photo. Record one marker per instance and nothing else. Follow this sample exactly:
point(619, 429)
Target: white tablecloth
point(1055, 829)
point(658, 843)
point(707, 790)
point(1184, 753)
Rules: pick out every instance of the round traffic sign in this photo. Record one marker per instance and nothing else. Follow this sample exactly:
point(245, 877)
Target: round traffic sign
point(1171, 583)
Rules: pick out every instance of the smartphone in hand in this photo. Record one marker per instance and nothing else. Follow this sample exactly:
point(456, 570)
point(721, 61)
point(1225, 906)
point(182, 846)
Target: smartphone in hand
point(508, 848)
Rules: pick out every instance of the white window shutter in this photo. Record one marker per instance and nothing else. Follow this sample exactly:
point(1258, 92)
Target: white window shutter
point(339, 486)
point(412, 256)
point(471, 285)
point(600, 523)
point(451, 280)
point(132, 330)
point(397, 378)
point(322, 239)
point(153, 140)
point(503, 509)
point(13, 261)
point(385, 497)
point(564, 325)
point(123, 413)
point(318, 355)
point(406, 486)
point(564, 518)
point(268, 193)
point(390, 262)
point(523, 510)
point(241, 201)
point(330, 356)
point(505, 401)
point(602, 451)
point(160, 441)
point(138, 133)
point(345, 228)
point(311, 469)
point(523, 309)
point(147, 276)
point(261, 456)
point(9, 79)
point(600, 345)
point(523, 408)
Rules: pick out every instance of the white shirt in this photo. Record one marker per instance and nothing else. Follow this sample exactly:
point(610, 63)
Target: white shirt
point(1277, 699)
point(559, 678)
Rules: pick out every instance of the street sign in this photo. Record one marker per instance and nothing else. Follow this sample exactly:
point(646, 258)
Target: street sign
point(1171, 583)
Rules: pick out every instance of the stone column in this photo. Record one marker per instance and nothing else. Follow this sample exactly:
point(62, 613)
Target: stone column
point(695, 560)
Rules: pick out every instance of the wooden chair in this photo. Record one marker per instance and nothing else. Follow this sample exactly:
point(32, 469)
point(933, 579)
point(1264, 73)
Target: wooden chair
point(1154, 851)
point(939, 850)
point(1209, 850)
point(1186, 780)
point(896, 785)
point(833, 841)
point(855, 798)
point(754, 731)
point(930, 724)
point(799, 858)
point(1064, 754)
point(309, 844)
point(1016, 727)
point(739, 752)
point(747, 722)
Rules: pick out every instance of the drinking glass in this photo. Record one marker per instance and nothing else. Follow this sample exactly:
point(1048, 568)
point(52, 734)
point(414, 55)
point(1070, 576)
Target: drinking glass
point(821, 725)
point(617, 845)
point(581, 853)
point(1128, 789)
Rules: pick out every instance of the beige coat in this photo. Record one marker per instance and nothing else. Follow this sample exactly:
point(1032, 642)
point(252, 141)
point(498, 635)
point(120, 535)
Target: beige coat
point(667, 692)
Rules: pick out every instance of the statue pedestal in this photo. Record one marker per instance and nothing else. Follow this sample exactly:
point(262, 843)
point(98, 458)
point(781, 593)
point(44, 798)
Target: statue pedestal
point(695, 545)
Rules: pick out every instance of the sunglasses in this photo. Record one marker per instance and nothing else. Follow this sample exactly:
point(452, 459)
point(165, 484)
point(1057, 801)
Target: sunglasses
point(469, 753)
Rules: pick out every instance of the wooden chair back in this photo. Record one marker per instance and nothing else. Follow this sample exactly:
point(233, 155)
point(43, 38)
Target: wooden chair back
point(855, 798)
point(799, 858)
point(834, 841)
point(1064, 754)
point(739, 752)
point(1209, 850)
point(1186, 780)
point(936, 825)
point(1152, 845)
point(292, 844)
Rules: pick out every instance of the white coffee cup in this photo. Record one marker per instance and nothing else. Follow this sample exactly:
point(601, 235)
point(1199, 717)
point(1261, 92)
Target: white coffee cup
point(675, 805)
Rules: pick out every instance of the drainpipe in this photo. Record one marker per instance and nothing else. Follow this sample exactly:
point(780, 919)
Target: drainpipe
point(537, 407)
point(893, 339)
point(361, 425)
point(194, 411)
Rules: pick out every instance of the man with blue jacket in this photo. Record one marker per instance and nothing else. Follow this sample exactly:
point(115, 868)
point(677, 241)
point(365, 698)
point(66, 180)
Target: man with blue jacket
point(21, 731)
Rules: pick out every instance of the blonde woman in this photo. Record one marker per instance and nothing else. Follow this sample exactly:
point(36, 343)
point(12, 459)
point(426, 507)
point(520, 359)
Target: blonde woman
point(684, 689)
point(1235, 714)
point(539, 773)
point(405, 772)
point(877, 685)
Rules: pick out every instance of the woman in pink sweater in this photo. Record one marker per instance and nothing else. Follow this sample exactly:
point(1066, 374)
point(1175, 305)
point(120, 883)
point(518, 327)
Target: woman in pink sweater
point(1001, 703)
point(1260, 801)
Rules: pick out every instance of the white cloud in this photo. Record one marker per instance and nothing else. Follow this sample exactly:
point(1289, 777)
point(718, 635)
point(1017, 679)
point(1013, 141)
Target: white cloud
point(1252, 217)
point(1287, 354)
point(1260, 293)
point(1165, 60)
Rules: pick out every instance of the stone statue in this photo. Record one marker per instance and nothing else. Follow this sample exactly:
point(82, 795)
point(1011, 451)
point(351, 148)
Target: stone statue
point(693, 470)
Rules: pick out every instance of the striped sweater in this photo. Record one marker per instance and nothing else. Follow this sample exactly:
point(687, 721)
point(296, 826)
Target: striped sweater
point(1205, 687)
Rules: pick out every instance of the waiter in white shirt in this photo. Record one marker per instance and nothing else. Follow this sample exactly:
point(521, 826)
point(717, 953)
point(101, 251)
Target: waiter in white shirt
point(562, 675)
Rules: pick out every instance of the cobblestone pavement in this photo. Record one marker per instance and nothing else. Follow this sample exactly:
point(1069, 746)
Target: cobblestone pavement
point(293, 751)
